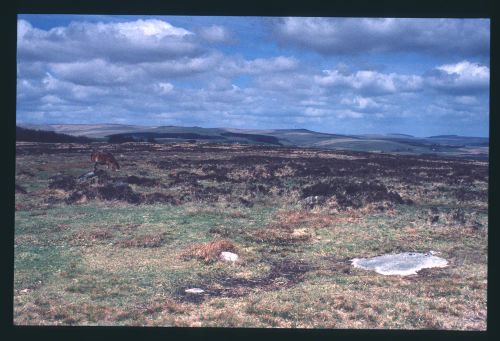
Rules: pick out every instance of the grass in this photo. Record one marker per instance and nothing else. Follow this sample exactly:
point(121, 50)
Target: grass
point(114, 263)
point(127, 278)
point(114, 279)
point(209, 252)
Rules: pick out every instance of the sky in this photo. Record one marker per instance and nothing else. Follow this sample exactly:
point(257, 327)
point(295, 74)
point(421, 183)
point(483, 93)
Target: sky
point(421, 77)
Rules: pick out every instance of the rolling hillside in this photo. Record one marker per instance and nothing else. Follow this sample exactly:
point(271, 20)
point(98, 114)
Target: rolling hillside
point(446, 145)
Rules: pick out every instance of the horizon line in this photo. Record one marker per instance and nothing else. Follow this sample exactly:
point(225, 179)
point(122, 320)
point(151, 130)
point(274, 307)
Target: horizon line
point(196, 126)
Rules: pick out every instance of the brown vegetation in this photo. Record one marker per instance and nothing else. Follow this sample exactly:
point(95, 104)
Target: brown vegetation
point(104, 158)
point(209, 252)
point(106, 248)
point(246, 175)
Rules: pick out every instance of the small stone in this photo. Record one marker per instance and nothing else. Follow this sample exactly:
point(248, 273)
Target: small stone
point(24, 291)
point(228, 256)
point(194, 291)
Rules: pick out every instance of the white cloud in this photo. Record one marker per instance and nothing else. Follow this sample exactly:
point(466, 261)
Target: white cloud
point(461, 78)
point(360, 35)
point(96, 72)
point(315, 112)
point(23, 27)
point(370, 82)
point(152, 72)
point(349, 114)
point(71, 92)
point(313, 102)
point(181, 67)
point(138, 30)
point(132, 42)
point(216, 34)
point(466, 100)
point(467, 71)
point(51, 99)
point(271, 64)
point(165, 88)
point(364, 104)
point(234, 65)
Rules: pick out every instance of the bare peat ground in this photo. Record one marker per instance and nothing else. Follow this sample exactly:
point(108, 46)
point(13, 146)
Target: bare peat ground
point(120, 248)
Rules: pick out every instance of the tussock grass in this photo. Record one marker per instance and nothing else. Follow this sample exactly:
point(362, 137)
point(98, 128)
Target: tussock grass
point(209, 252)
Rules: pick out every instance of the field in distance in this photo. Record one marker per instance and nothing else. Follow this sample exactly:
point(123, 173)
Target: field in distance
point(121, 247)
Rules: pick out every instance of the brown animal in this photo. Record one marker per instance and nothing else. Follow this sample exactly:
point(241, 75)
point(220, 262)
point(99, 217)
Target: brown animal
point(104, 158)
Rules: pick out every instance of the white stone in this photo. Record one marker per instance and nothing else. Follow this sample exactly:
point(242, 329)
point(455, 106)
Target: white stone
point(403, 264)
point(194, 291)
point(228, 256)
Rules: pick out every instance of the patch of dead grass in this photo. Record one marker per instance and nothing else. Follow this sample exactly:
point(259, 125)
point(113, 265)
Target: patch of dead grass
point(56, 312)
point(237, 214)
point(87, 237)
point(281, 236)
point(52, 311)
point(164, 305)
point(209, 252)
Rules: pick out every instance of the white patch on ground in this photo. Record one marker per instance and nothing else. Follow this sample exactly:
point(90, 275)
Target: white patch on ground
point(403, 264)
point(194, 291)
point(228, 256)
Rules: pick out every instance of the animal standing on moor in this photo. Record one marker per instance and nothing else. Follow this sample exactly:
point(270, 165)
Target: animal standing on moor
point(104, 158)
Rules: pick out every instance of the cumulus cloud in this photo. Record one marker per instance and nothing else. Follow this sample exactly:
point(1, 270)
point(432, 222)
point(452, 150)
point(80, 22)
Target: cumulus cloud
point(216, 34)
point(363, 104)
point(153, 72)
point(348, 114)
point(139, 29)
point(141, 40)
point(238, 65)
point(466, 100)
point(72, 92)
point(181, 67)
point(165, 88)
point(461, 78)
point(369, 82)
point(331, 36)
point(314, 112)
point(96, 72)
point(287, 82)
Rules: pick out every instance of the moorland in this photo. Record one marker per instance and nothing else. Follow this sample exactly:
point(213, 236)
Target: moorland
point(121, 247)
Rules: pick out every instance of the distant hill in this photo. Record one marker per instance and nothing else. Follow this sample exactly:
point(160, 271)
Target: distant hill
point(148, 135)
point(33, 135)
point(443, 136)
point(89, 130)
point(447, 145)
point(403, 135)
point(254, 137)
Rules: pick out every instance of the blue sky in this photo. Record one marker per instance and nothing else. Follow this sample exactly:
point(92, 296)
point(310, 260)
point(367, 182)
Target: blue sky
point(341, 75)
